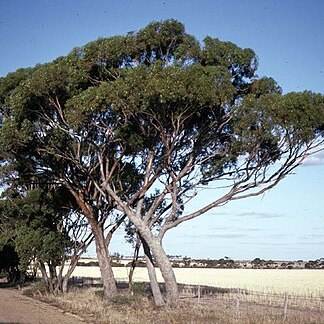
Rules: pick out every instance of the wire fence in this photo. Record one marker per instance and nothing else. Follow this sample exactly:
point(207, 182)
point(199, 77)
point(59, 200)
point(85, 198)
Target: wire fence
point(237, 296)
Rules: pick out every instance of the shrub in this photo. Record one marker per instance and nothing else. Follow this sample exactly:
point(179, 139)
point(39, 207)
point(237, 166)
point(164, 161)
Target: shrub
point(99, 293)
point(122, 299)
point(138, 288)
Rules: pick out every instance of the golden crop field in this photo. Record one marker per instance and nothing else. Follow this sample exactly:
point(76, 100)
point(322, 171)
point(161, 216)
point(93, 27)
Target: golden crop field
point(299, 282)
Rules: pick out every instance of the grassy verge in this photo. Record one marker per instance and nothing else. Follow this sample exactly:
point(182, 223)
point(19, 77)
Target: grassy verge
point(139, 308)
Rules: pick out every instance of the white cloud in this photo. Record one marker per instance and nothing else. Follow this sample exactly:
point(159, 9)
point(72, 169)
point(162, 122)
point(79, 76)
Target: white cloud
point(315, 159)
point(258, 215)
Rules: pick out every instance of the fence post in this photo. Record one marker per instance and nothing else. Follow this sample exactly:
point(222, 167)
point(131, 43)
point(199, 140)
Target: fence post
point(285, 305)
point(238, 300)
point(199, 293)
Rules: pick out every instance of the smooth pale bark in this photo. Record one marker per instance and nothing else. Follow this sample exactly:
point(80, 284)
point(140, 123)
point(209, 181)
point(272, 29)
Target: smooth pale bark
point(171, 286)
point(107, 275)
point(156, 291)
point(155, 245)
point(65, 285)
point(65, 279)
point(73, 264)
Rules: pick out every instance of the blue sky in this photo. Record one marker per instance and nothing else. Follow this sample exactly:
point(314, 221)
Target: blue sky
point(285, 223)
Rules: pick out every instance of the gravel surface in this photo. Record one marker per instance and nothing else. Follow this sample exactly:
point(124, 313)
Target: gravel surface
point(16, 308)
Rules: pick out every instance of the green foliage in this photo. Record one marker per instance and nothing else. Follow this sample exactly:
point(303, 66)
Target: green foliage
point(241, 63)
point(33, 222)
point(127, 93)
point(40, 244)
point(148, 74)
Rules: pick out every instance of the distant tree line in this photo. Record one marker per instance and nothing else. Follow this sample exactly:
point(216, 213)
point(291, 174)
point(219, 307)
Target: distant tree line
point(315, 264)
point(224, 263)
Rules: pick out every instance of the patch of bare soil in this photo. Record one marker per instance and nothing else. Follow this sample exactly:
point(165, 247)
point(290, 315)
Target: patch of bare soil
point(16, 308)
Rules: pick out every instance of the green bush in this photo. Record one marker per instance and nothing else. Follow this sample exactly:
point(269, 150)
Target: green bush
point(138, 288)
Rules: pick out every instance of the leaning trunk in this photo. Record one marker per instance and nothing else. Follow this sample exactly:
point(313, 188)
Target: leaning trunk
point(171, 286)
point(133, 265)
point(107, 275)
point(66, 277)
point(62, 284)
point(156, 291)
point(45, 277)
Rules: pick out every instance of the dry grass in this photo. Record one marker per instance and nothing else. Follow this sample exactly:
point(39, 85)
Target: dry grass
point(89, 304)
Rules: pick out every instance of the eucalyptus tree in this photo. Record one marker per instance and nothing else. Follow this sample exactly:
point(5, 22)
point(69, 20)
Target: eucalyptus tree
point(185, 116)
point(145, 121)
point(37, 146)
point(45, 232)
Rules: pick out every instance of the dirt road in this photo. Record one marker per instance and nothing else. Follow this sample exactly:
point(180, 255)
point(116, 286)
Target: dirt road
point(16, 308)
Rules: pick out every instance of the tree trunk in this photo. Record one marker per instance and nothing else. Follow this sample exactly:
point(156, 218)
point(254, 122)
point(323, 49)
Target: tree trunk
point(133, 265)
point(66, 277)
point(22, 277)
point(53, 278)
point(60, 279)
point(45, 277)
point(156, 291)
point(107, 275)
point(171, 286)
point(65, 285)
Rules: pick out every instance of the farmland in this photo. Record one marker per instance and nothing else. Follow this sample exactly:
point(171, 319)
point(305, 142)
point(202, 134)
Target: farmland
point(272, 296)
point(298, 282)
point(249, 296)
